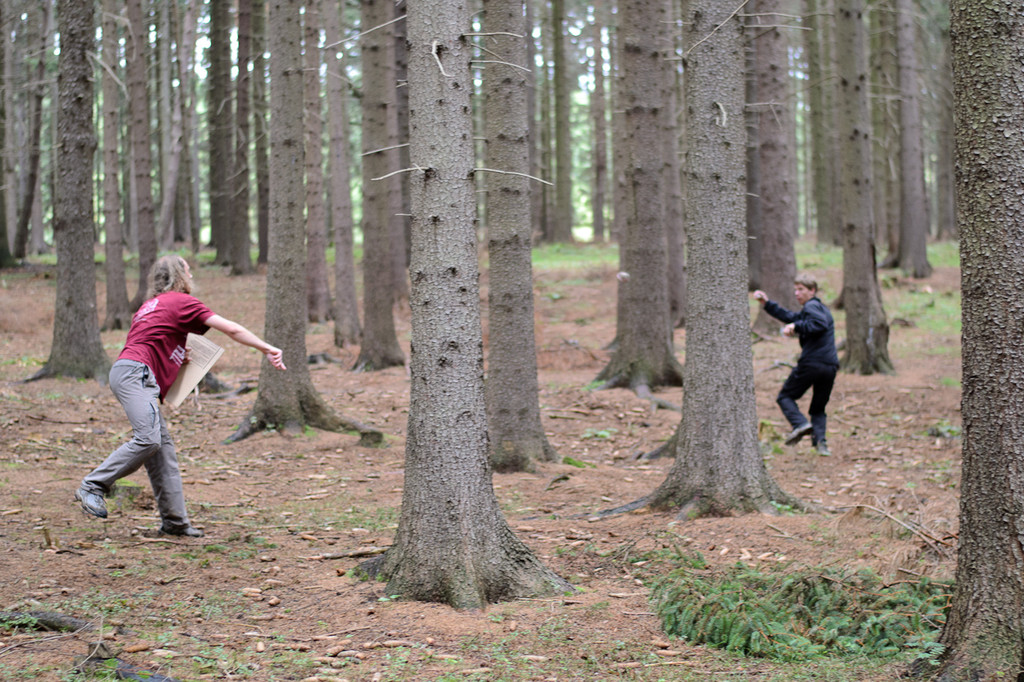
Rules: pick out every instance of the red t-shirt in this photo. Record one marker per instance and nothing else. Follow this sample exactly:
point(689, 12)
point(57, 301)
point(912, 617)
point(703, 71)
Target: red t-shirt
point(158, 333)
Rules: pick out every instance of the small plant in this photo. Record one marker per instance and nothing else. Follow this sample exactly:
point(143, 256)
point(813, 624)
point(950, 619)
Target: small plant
point(598, 434)
point(944, 430)
point(802, 615)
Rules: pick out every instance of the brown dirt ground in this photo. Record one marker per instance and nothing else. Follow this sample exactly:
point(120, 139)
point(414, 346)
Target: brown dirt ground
point(258, 595)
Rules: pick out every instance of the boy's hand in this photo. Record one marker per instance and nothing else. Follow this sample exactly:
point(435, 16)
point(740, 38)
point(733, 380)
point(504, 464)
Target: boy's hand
point(789, 330)
point(760, 296)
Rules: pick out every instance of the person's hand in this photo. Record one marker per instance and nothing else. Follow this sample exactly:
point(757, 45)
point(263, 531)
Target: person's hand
point(276, 357)
point(760, 296)
point(789, 330)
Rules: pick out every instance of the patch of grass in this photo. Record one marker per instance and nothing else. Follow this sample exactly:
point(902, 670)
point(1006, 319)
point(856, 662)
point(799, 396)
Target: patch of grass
point(803, 615)
point(572, 256)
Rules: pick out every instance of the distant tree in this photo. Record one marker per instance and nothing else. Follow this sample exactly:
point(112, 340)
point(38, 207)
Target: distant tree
point(119, 312)
point(6, 259)
point(261, 137)
point(345, 312)
point(318, 290)
point(672, 177)
point(821, 97)
point(452, 545)
point(77, 350)
point(598, 113)
point(563, 223)
point(778, 193)
point(867, 329)
point(219, 128)
point(288, 400)
point(984, 631)
point(381, 191)
point(644, 358)
point(914, 215)
point(718, 466)
point(41, 32)
point(142, 155)
point(240, 244)
point(517, 436)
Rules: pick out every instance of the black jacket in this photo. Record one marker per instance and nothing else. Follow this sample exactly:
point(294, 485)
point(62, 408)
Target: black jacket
point(815, 329)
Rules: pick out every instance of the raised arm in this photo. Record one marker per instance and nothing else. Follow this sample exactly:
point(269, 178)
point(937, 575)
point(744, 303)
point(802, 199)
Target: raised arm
point(241, 335)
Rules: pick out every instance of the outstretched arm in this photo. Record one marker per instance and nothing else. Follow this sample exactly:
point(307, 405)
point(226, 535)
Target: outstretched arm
point(241, 335)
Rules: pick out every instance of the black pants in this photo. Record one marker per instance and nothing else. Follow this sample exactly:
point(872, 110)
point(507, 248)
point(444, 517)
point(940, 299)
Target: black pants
point(803, 377)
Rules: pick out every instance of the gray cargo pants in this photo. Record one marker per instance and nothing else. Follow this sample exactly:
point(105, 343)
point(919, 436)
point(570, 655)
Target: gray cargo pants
point(135, 388)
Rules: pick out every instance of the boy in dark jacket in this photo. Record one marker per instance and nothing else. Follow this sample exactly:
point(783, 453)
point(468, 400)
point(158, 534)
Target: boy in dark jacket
point(817, 365)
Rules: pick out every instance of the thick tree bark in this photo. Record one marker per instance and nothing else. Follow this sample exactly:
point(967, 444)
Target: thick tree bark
point(644, 357)
point(381, 193)
point(777, 193)
point(77, 349)
point(318, 290)
point(914, 214)
point(452, 544)
point(345, 312)
point(6, 259)
point(867, 329)
point(672, 180)
point(118, 314)
point(287, 400)
point(984, 633)
point(820, 71)
point(883, 64)
point(718, 467)
point(142, 164)
point(513, 412)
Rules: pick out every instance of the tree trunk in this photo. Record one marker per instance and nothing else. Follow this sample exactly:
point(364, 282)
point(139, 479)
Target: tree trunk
point(718, 467)
point(452, 544)
point(885, 128)
point(563, 224)
point(77, 349)
point(31, 182)
point(778, 192)
point(644, 357)
point(672, 181)
point(240, 243)
point(345, 311)
point(822, 120)
point(261, 142)
point(867, 330)
point(318, 290)
point(118, 315)
point(218, 106)
point(598, 114)
point(6, 259)
point(913, 201)
point(945, 181)
point(381, 195)
point(287, 400)
point(138, 107)
point(513, 412)
point(984, 633)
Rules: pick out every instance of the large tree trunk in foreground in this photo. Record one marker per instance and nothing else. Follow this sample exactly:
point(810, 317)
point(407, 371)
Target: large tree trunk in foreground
point(984, 633)
point(644, 357)
point(288, 400)
point(718, 467)
point(452, 544)
point(513, 408)
point(867, 329)
point(77, 350)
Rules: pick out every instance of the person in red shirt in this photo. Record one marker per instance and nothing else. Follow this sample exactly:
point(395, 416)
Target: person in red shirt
point(153, 353)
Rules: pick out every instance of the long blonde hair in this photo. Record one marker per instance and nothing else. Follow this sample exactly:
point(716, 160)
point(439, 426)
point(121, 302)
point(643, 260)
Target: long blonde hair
point(169, 274)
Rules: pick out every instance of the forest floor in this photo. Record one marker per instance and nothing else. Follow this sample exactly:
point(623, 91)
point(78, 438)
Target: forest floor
point(263, 597)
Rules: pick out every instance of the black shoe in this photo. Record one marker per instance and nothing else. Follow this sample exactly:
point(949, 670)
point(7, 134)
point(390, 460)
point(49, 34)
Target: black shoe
point(799, 432)
point(92, 503)
point(186, 531)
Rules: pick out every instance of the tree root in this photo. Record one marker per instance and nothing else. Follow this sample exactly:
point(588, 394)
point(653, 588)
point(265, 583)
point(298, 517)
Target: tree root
point(44, 620)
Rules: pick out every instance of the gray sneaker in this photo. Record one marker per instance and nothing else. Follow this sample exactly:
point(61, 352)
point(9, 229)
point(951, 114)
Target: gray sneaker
point(186, 531)
point(823, 449)
point(799, 432)
point(92, 503)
